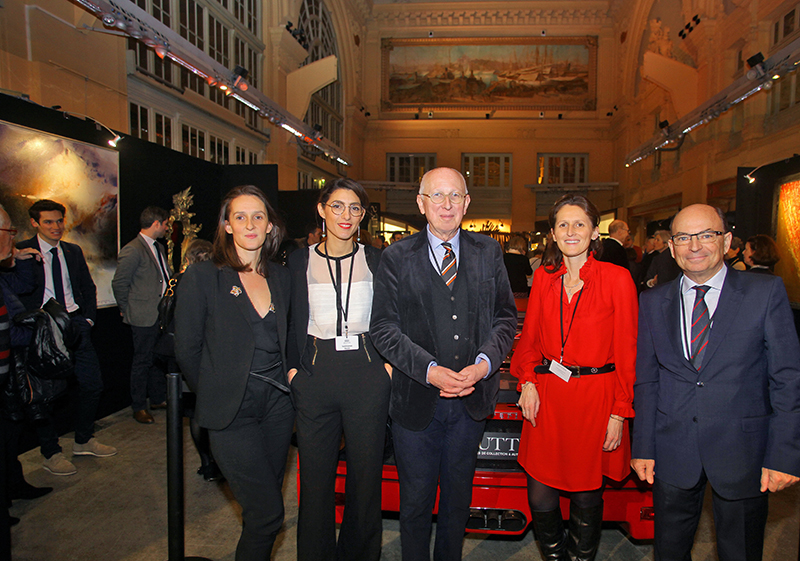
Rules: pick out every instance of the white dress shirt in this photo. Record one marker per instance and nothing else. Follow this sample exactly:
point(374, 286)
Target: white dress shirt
point(49, 289)
point(711, 298)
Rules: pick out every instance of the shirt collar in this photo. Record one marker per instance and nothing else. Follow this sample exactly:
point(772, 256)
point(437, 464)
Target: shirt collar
point(435, 242)
point(714, 282)
point(147, 238)
point(44, 245)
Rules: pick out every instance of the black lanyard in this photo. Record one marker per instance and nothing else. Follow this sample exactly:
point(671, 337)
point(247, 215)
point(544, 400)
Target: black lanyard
point(341, 312)
point(571, 321)
point(433, 254)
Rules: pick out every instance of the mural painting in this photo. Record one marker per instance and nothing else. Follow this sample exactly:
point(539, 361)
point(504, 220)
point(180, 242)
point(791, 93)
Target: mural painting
point(520, 73)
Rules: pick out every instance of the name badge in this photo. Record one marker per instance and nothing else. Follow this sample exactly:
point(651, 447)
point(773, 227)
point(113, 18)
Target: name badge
point(349, 343)
point(560, 370)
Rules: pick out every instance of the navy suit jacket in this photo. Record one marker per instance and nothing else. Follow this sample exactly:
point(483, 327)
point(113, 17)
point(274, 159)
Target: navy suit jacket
point(741, 411)
point(214, 341)
point(403, 327)
point(84, 290)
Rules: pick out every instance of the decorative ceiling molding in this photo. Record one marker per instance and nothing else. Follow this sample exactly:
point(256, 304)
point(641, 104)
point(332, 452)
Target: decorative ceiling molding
point(406, 15)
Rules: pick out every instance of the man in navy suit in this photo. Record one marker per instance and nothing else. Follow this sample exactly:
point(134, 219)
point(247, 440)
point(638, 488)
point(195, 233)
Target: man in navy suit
point(443, 316)
point(717, 394)
point(63, 274)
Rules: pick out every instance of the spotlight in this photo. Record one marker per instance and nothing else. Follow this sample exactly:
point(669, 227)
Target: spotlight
point(240, 75)
point(755, 60)
point(109, 20)
point(161, 51)
point(113, 142)
point(212, 81)
point(750, 179)
point(663, 124)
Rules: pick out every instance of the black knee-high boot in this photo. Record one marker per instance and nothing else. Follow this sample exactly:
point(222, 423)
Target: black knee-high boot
point(551, 534)
point(584, 531)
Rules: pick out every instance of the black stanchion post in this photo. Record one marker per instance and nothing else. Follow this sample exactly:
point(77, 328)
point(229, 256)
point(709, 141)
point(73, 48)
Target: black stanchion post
point(175, 506)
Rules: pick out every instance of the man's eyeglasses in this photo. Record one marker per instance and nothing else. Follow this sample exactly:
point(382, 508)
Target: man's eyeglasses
point(12, 231)
point(337, 207)
point(706, 236)
point(438, 198)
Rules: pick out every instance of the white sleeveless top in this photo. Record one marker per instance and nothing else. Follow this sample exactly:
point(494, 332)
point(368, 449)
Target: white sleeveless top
point(322, 312)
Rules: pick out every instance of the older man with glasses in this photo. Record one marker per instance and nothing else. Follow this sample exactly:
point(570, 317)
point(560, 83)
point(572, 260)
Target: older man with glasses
point(717, 394)
point(443, 316)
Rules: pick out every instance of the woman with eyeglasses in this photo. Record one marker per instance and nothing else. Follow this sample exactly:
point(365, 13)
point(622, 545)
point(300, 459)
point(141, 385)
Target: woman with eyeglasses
point(339, 382)
point(575, 361)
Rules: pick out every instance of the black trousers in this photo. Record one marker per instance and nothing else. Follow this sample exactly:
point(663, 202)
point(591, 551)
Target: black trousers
point(147, 379)
point(90, 388)
point(344, 392)
point(739, 524)
point(252, 452)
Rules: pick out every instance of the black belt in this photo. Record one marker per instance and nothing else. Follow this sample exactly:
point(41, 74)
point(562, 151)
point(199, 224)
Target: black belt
point(577, 371)
point(75, 313)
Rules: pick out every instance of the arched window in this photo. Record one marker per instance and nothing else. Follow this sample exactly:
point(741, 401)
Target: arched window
point(325, 108)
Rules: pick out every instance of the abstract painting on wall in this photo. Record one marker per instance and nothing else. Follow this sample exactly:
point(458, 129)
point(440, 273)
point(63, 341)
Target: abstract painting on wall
point(83, 177)
point(788, 238)
point(513, 73)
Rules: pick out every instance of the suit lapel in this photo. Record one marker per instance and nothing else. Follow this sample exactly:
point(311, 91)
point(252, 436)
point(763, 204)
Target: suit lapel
point(231, 288)
point(279, 301)
point(724, 316)
point(420, 258)
point(673, 321)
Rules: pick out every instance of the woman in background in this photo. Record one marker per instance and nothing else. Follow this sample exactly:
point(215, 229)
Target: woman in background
point(761, 254)
point(338, 382)
point(518, 266)
point(231, 324)
point(576, 366)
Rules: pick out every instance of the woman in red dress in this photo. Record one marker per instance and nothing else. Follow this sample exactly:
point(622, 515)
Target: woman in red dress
point(575, 363)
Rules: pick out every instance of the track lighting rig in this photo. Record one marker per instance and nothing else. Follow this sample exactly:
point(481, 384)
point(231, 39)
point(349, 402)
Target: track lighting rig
point(131, 20)
point(760, 76)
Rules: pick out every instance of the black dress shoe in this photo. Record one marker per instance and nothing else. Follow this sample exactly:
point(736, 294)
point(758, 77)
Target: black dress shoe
point(211, 472)
point(143, 417)
point(28, 492)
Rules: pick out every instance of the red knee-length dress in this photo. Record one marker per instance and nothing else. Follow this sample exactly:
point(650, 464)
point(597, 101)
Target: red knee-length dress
point(565, 448)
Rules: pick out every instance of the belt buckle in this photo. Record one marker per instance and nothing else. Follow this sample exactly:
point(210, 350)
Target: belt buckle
point(578, 373)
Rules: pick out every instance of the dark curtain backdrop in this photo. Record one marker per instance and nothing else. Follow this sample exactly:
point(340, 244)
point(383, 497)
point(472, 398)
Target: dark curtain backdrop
point(148, 175)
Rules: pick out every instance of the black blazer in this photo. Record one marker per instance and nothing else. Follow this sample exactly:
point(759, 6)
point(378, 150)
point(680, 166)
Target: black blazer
point(741, 411)
point(214, 342)
point(298, 269)
point(403, 329)
point(84, 290)
point(613, 252)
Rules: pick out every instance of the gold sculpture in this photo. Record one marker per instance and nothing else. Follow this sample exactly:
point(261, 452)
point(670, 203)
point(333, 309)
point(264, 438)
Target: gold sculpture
point(180, 213)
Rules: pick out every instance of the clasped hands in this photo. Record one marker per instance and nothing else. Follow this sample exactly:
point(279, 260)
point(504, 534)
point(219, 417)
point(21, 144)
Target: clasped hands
point(457, 384)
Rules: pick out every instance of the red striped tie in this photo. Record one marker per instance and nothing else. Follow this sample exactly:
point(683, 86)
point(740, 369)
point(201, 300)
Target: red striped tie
point(449, 265)
point(700, 326)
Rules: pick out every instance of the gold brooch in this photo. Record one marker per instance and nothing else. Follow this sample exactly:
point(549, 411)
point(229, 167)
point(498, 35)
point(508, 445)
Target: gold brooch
point(236, 291)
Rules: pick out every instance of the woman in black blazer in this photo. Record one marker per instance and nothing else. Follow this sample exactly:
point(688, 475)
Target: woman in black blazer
point(339, 383)
point(230, 340)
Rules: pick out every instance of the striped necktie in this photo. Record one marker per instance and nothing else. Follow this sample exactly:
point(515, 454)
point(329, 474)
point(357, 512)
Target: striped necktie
point(701, 325)
point(449, 270)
